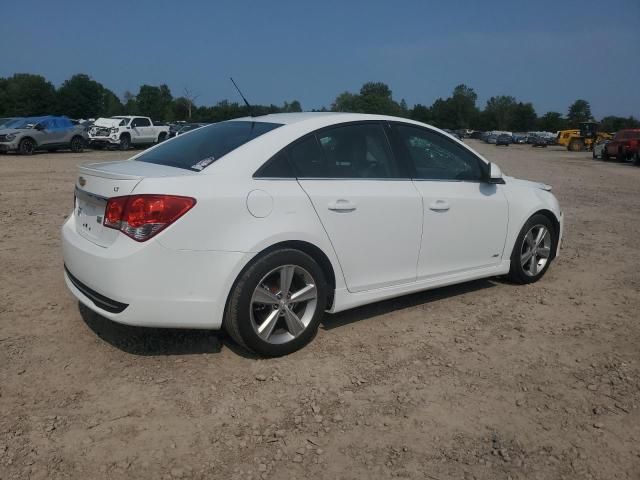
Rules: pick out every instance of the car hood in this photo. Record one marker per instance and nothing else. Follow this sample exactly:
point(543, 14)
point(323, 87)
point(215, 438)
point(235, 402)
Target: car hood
point(7, 131)
point(107, 122)
point(527, 183)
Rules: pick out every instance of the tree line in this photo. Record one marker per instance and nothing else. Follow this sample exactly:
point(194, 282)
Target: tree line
point(80, 96)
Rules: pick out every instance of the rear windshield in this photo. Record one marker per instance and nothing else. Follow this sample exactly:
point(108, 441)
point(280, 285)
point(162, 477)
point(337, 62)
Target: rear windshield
point(205, 145)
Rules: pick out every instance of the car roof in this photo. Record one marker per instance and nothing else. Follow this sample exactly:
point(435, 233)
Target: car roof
point(321, 117)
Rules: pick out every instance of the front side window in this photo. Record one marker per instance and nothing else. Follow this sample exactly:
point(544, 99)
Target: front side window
point(436, 157)
point(205, 145)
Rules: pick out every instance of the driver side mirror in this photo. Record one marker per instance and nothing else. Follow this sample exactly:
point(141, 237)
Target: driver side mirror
point(495, 175)
point(40, 127)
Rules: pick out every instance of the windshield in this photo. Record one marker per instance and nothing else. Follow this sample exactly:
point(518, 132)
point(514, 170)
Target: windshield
point(205, 145)
point(21, 123)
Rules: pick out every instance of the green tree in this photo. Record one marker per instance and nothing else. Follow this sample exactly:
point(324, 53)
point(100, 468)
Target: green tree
point(499, 112)
point(374, 97)
point(552, 122)
point(155, 102)
point(111, 104)
point(81, 97)
point(579, 111)
point(181, 108)
point(421, 113)
point(524, 118)
point(613, 124)
point(294, 106)
point(346, 102)
point(24, 95)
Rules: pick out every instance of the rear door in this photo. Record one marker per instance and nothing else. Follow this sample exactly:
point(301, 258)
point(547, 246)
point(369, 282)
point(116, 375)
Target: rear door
point(465, 218)
point(365, 200)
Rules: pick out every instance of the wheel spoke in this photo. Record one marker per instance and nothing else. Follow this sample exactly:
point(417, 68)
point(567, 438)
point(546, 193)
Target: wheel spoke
point(262, 295)
point(540, 237)
point(304, 294)
point(526, 256)
point(544, 252)
point(294, 324)
point(286, 277)
point(533, 269)
point(266, 328)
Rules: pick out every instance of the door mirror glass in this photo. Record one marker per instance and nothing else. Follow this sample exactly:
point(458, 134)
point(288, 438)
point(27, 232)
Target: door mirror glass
point(39, 127)
point(495, 174)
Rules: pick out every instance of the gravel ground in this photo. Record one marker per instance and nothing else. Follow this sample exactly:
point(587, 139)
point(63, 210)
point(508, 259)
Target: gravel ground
point(484, 380)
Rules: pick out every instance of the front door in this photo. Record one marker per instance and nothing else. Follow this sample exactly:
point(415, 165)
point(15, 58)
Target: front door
point(368, 206)
point(465, 218)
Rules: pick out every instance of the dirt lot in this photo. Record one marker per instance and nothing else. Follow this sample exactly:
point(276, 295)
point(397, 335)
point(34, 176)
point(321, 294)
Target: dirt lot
point(485, 380)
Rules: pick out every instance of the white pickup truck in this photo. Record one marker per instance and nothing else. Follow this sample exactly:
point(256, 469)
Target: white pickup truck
point(126, 131)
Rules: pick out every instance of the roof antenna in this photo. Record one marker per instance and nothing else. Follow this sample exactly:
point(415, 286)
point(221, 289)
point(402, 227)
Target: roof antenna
point(251, 113)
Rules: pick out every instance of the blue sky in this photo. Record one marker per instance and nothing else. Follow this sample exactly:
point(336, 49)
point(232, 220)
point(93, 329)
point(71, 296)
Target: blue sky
point(546, 52)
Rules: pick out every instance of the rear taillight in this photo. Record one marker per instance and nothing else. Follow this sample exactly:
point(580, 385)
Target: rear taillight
point(143, 216)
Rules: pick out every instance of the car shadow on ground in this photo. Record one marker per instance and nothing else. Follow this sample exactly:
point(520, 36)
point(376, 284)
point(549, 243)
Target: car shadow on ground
point(144, 341)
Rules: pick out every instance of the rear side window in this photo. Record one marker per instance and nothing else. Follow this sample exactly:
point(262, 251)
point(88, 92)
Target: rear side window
point(358, 151)
point(205, 145)
point(436, 157)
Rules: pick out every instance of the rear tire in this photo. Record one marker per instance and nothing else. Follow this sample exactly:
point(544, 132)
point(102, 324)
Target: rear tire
point(162, 137)
point(26, 147)
point(278, 325)
point(77, 144)
point(531, 256)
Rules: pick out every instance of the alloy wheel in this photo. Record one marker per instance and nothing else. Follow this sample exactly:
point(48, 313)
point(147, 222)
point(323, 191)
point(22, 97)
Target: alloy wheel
point(536, 250)
point(283, 304)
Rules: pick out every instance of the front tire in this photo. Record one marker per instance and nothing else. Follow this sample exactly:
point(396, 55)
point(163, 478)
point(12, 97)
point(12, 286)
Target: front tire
point(533, 252)
point(277, 303)
point(125, 143)
point(26, 147)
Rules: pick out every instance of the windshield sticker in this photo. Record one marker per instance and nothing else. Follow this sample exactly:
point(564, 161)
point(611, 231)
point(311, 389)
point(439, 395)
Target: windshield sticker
point(203, 163)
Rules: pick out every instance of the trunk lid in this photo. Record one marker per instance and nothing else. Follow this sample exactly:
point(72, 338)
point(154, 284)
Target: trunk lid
point(98, 182)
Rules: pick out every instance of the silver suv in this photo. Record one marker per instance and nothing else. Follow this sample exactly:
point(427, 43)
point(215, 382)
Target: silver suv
point(26, 135)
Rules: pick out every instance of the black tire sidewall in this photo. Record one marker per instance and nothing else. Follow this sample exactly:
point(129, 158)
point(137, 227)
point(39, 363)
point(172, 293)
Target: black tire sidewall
point(80, 146)
point(125, 143)
point(516, 272)
point(245, 286)
point(24, 142)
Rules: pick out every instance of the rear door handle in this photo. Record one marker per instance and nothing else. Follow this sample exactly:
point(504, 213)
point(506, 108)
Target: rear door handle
point(439, 206)
point(342, 205)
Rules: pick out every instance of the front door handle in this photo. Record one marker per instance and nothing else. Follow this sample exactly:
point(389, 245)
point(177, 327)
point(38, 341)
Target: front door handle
point(342, 205)
point(439, 206)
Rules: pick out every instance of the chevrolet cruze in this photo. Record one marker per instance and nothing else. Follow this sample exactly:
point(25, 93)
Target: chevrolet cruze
point(261, 225)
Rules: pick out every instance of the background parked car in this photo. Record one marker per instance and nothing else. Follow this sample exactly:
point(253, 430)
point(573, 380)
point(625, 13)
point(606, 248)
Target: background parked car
point(492, 138)
point(503, 139)
point(124, 131)
point(624, 146)
point(184, 128)
point(539, 141)
point(27, 135)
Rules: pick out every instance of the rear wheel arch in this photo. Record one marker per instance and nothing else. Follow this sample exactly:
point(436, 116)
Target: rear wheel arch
point(310, 249)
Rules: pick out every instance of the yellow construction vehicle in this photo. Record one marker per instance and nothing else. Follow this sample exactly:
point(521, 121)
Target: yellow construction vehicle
point(564, 136)
point(583, 138)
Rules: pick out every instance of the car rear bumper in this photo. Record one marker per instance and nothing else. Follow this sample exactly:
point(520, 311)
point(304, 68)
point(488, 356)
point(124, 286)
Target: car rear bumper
point(147, 284)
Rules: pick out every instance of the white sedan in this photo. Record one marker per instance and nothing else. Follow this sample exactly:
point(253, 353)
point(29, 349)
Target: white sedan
point(260, 225)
